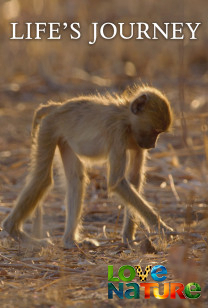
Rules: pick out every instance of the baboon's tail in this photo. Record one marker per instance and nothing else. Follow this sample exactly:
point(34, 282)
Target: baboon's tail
point(40, 113)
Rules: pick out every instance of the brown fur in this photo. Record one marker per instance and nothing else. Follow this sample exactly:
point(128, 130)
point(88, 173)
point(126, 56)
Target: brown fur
point(94, 127)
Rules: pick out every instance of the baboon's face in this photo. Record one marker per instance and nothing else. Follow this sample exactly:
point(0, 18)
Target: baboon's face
point(144, 133)
point(147, 139)
point(150, 116)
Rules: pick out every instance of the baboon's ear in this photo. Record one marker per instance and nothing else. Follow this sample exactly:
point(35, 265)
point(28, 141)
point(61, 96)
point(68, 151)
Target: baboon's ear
point(139, 103)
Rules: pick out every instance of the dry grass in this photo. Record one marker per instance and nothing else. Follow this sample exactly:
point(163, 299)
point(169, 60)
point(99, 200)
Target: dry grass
point(177, 177)
point(58, 277)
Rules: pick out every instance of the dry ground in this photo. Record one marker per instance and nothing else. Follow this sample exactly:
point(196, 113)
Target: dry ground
point(176, 185)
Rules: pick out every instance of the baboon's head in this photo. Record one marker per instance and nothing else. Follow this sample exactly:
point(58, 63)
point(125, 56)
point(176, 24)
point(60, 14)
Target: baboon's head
point(151, 115)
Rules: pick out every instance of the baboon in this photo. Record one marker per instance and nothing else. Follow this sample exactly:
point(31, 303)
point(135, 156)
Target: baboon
point(119, 129)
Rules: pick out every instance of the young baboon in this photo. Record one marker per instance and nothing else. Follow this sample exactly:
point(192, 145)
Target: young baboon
point(119, 129)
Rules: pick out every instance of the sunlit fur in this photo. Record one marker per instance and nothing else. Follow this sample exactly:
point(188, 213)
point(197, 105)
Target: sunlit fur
point(158, 108)
point(93, 127)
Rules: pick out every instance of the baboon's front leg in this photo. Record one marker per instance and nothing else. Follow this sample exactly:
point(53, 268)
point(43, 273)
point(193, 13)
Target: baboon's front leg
point(136, 176)
point(119, 185)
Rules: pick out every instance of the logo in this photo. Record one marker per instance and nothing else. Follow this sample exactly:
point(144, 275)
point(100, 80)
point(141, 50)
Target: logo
point(142, 276)
point(124, 285)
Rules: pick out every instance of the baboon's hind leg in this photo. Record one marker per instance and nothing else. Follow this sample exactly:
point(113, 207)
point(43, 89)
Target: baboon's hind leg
point(37, 229)
point(75, 186)
point(75, 183)
point(38, 182)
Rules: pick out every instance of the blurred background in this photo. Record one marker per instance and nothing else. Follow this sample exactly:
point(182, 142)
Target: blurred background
point(34, 71)
point(45, 65)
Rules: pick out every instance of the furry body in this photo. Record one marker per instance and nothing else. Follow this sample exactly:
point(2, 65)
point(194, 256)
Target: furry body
point(118, 129)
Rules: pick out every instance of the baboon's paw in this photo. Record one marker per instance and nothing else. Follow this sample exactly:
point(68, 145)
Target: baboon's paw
point(127, 238)
point(130, 244)
point(68, 243)
point(7, 225)
point(90, 243)
point(165, 230)
point(45, 242)
point(27, 240)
